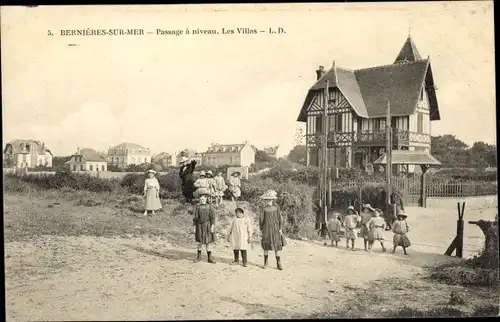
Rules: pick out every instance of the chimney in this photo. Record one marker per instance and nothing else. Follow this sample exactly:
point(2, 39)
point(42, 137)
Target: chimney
point(78, 149)
point(43, 146)
point(320, 72)
point(335, 79)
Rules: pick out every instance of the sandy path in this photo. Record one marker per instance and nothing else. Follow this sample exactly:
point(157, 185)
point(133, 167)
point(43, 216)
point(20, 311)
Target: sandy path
point(88, 278)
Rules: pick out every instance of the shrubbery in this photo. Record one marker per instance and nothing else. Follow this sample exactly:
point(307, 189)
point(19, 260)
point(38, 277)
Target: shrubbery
point(294, 200)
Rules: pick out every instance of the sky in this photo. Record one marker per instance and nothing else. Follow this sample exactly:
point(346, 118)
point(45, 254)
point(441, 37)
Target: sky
point(170, 92)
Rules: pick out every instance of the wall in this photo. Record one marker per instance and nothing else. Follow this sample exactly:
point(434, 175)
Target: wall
point(247, 155)
point(470, 202)
point(222, 158)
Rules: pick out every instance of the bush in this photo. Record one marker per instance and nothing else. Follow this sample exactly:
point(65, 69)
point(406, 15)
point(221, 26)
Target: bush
point(65, 179)
point(294, 200)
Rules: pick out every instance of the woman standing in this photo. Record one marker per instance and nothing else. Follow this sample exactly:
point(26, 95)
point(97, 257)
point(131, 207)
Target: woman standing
point(204, 227)
point(235, 185)
point(271, 226)
point(186, 175)
point(152, 193)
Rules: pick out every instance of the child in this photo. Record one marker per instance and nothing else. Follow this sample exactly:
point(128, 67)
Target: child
point(271, 227)
point(202, 185)
point(400, 227)
point(211, 185)
point(366, 218)
point(220, 187)
point(239, 236)
point(204, 227)
point(377, 226)
point(350, 222)
point(152, 193)
point(235, 185)
point(334, 229)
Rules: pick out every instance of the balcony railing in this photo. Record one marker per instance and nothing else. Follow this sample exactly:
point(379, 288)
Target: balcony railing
point(371, 138)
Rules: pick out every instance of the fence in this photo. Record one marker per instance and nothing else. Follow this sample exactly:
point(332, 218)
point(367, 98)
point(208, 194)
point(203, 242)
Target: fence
point(410, 187)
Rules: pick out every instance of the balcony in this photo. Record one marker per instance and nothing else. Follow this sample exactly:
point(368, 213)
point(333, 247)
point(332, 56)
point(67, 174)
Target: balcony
point(369, 138)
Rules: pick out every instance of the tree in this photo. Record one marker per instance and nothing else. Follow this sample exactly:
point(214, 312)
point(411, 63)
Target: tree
point(262, 156)
point(299, 135)
point(298, 155)
point(450, 151)
point(482, 155)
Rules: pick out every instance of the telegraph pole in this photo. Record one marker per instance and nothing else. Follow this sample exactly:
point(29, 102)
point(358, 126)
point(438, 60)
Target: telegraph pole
point(324, 187)
point(388, 154)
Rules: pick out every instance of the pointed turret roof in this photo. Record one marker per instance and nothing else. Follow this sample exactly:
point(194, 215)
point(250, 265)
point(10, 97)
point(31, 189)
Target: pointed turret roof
point(409, 52)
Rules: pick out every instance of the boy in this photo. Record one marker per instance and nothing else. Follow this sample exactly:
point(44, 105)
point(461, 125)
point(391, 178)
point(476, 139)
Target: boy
point(334, 229)
point(350, 222)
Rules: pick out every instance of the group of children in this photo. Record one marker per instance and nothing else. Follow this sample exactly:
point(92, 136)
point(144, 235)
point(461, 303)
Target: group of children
point(371, 227)
point(240, 230)
point(215, 188)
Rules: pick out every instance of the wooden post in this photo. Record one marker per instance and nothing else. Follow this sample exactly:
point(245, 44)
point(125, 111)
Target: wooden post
point(458, 242)
point(325, 148)
point(329, 199)
point(360, 193)
point(423, 197)
point(388, 154)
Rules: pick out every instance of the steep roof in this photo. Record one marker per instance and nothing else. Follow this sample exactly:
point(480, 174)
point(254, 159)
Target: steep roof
point(41, 148)
point(216, 148)
point(128, 145)
point(409, 157)
point(367, 89)
point(408, 52)
point(90, 155)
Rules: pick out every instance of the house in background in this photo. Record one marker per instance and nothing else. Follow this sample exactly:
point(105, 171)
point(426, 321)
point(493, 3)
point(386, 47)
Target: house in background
point(236, 155)
point(357, 101)
point(87, 160)
point(27, 154)
point(189, 153)
point(126, 154)
point(163, 158)
point(273, 151)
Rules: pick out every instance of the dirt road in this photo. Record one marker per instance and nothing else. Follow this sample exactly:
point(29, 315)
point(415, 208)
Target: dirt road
point(88, 278)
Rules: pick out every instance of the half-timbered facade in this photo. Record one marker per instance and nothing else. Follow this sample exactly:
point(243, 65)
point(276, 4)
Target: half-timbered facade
point(357, 110)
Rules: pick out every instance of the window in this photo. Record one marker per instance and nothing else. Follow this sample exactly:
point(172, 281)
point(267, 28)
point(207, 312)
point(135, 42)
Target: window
point(420, 123)
point(133, 160)
point(145, 160)
point(338, 122)
point(74, 167)
point(91, 167)
point(319, 123)
point(82, 167)
point(230, 159)
point(376, 124)
point(103, 169)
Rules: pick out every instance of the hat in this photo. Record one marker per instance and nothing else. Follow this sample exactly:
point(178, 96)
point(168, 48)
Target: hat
point(184, 160)
point(151, 171)
point(269, 195)
point(239, 209)
point(368, 206)
point(236, 172)
point(209, 172)
point(202, 173)
point(351, 208)
point(401, 214)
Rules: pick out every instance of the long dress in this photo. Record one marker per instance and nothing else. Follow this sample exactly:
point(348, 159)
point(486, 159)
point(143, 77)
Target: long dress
point(377, 226)
point(350, 223)
point(186, 175)
point(202, 186)
point(204, 218)
point(220, 186)
point(235, 186)
point(152, 191)
point(239, 233)
point(400, 228)
point(334, 229)
point(270, 222)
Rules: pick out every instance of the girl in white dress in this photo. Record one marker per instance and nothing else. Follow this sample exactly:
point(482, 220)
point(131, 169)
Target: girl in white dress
point(152, 193)
point(239, 235)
